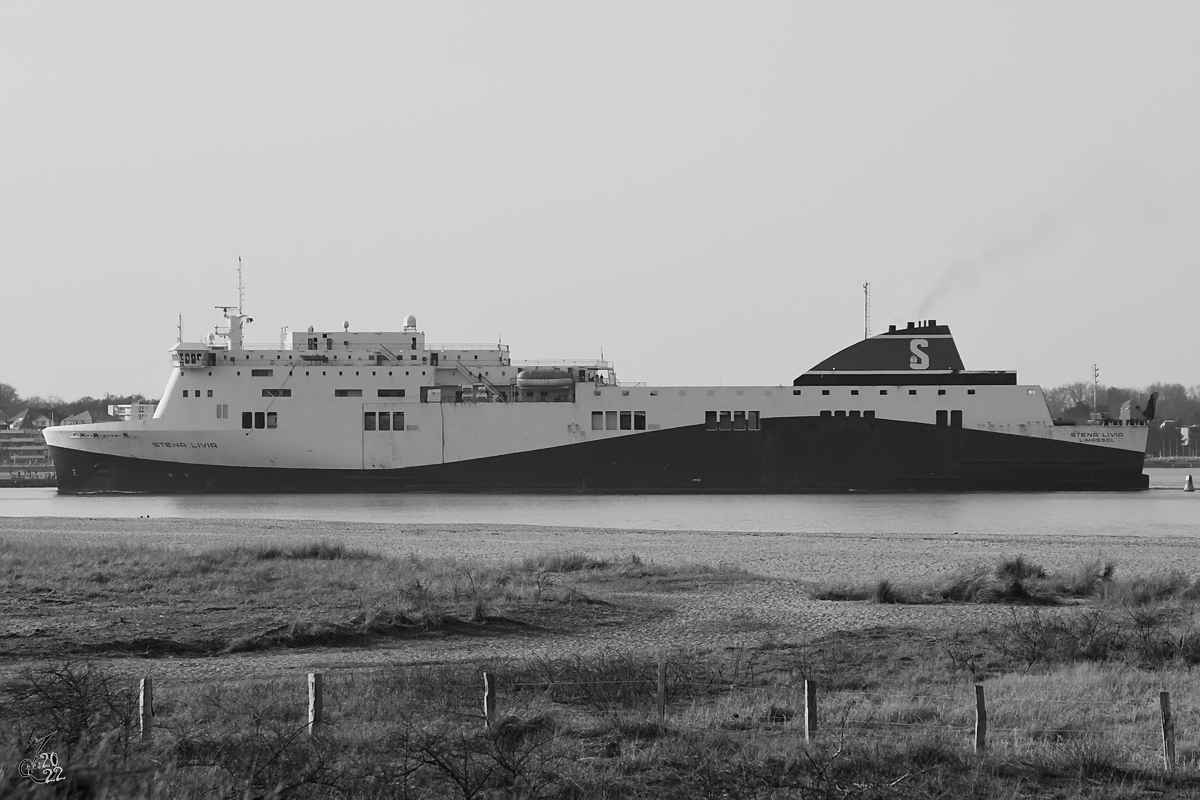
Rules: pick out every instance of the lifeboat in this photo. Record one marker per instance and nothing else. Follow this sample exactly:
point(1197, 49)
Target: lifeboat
point(544, 379)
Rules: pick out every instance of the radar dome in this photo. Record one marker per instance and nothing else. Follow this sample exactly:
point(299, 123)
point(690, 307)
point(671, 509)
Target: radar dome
point(410, 322)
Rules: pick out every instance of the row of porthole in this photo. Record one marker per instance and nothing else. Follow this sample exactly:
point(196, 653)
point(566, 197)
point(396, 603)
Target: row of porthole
point(882, 392)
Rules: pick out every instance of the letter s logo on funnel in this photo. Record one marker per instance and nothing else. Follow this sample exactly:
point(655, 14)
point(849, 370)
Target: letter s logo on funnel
point(919, 358)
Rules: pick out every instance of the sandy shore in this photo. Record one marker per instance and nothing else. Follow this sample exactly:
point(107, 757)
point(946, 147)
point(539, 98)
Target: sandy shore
point(778, 607)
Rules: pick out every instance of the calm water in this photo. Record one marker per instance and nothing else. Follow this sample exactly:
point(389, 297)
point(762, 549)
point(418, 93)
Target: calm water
point(1163, 511)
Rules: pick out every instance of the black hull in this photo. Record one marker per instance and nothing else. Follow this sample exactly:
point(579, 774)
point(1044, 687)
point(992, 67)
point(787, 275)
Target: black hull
point(804, 454)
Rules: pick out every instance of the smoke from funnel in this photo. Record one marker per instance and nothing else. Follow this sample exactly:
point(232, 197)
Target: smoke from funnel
point(1006, 248)
point(1118, 199)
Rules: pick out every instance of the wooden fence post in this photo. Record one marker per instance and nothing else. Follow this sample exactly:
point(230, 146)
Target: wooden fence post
point(980, 720)
point(146, 707)
point(1168, 728)
point(660, 701)
point(810, 710)
point(316, 702)
point(489, 698)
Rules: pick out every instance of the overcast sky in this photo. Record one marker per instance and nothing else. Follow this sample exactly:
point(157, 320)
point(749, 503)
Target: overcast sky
point(698, 189)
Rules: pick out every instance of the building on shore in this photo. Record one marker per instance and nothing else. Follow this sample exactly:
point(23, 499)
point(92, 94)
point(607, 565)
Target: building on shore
point(132, 411)
point(24, 454)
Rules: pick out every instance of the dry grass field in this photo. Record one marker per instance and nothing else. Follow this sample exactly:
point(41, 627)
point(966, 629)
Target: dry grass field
point(1072, 642)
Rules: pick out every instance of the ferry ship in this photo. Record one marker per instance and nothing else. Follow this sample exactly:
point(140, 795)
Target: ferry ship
point(342, 410)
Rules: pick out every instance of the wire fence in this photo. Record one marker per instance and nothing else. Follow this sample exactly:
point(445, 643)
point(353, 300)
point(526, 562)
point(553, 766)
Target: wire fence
point(989, 721)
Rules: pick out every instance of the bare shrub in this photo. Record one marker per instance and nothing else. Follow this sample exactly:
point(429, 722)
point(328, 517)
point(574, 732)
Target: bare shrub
point(75, 698)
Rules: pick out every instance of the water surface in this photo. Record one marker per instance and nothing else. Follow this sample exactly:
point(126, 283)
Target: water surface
point(1165, 510)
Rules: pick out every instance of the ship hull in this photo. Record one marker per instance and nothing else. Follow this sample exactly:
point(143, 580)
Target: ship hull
point(789, 455)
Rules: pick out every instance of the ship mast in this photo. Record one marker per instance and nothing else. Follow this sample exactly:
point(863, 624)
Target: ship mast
point(1095, 385)
point(241, 293)
point(867, 310)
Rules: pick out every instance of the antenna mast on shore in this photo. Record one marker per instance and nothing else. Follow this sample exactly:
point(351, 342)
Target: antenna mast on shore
point(867, 310)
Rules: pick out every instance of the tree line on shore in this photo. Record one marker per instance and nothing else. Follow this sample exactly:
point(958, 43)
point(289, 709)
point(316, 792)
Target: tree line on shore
point(1175, 401)
point(11, 402)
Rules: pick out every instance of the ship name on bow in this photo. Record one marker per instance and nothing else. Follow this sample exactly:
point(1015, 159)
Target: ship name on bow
point(184, 444)
point(1098, 437)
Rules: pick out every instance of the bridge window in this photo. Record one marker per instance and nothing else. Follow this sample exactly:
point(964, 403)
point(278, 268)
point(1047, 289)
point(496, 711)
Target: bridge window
point(824, 391)
point(854, 391)
point(272, 419)
point(970, 391)
point(368, 420)
point(597, 420)
point(626, 421)
point(752, 420)
point(941, 419)
point(260, 420)
point(869, 414)
point(912, 391)
point(726, 422)
point(739, 420)
point(261, 373)
point(391, 393)
point(941, 392)
point(610, 420)
point(385, 421)
point(276, 392)
point(883, 391)
point(247, 419)
point(397, 420)
point(210, 392)
point(854, 413)
point(639, 420)
point(710, 420)
point(955, 419)
point(826, 413)
point(347, 392)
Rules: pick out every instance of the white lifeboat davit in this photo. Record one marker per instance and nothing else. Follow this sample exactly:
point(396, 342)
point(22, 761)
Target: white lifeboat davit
point(544, 379)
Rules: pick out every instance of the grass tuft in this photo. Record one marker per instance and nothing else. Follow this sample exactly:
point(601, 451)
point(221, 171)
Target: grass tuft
point(1019, 581)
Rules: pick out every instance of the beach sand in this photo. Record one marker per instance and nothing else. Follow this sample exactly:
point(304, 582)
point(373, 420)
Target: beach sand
point(778, 607)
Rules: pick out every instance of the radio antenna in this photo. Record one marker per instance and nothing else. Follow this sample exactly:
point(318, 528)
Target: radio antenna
point(241, 294)
point(179, 337)
point(867, 310)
